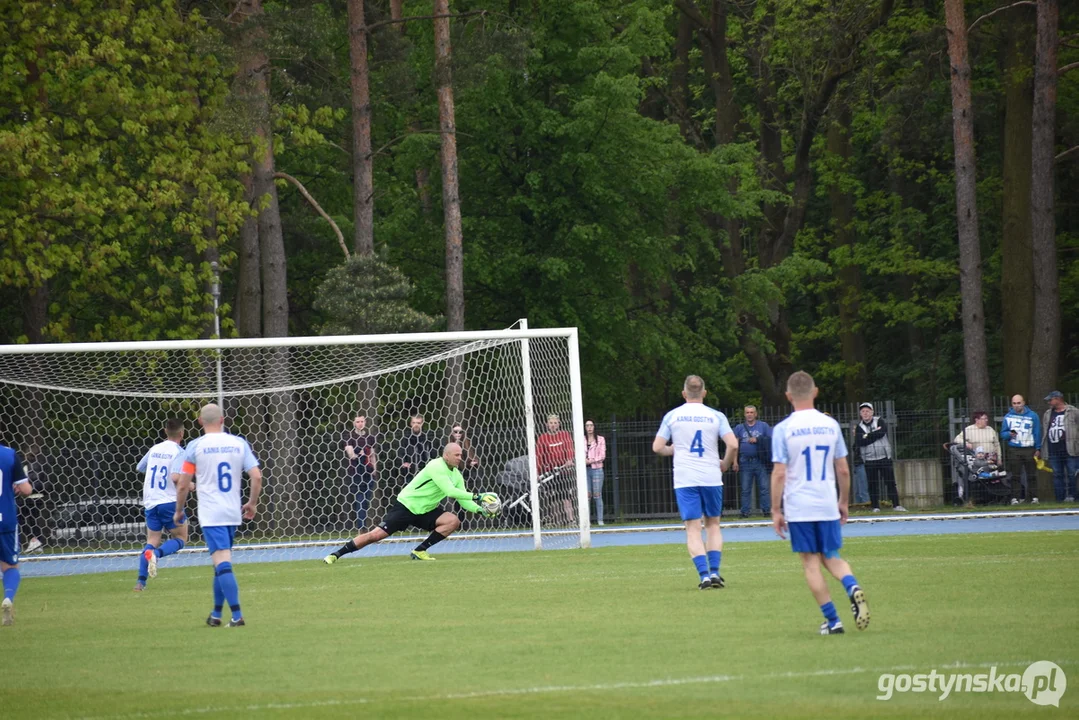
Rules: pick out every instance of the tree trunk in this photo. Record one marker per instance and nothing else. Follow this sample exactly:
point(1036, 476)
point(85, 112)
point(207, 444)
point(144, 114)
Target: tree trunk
point(249, 282)
point(1045, 346)
point(451, 201)
point(362, 160)
point(852, 343)
point(1017, 260)
point(970, 254)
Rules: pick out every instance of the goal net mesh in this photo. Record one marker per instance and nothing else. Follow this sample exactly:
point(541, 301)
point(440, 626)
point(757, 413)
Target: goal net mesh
point(83, 420)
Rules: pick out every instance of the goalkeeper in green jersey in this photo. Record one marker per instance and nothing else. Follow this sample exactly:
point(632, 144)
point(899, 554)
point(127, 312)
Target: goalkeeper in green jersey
point(419, 504)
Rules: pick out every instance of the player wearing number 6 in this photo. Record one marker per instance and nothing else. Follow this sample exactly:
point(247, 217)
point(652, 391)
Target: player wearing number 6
point(693, 431)
point(160, 465)
point(419, 505)
point(217, 462)
point(809, 456)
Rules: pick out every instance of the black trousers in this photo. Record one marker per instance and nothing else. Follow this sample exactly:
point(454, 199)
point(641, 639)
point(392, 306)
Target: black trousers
point(878, 472)
point(1020, 459)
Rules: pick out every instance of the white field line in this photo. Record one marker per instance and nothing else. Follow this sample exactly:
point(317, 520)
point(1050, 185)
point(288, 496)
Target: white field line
point(557, 689)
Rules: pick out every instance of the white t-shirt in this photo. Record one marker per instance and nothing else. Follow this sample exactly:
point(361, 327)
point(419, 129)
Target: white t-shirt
point(695, 429)
point(808, 443)
point(157, 465)
point(218, 460)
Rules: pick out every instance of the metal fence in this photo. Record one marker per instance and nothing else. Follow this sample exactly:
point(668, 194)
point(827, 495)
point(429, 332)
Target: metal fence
point(638, 483)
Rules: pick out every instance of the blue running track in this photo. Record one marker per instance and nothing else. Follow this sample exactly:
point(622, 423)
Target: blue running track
point(608, 536)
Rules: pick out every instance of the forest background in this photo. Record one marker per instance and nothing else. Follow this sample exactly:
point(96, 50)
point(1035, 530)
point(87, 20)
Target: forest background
point(734, 189)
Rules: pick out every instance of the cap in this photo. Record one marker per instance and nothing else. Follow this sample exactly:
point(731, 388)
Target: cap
point(979, 449)
point(864, 405)
point(1054, 394)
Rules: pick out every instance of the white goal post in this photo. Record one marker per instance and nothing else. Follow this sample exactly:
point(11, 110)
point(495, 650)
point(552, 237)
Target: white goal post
point(83, 414)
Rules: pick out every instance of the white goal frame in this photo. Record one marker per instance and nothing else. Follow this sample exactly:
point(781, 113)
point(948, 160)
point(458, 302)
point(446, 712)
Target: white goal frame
point(530, 422)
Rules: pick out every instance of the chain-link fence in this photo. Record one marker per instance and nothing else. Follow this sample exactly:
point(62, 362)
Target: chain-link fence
point(638, 483)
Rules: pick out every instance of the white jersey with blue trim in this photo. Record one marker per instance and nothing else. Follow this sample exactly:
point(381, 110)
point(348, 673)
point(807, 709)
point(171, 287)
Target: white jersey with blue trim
point(808, 443)
point(157, 466)
point(695, 429)
point(218, 461)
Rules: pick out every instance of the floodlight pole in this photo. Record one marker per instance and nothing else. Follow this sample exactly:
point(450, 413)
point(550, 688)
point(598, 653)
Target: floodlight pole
point(215, 291)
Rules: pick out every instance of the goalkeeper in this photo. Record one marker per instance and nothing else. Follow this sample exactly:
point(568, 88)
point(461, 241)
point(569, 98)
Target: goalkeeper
point(419, 504)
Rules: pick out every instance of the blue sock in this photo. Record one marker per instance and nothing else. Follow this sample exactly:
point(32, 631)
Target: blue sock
point(848, 583)
point(714, 558)
point(173, 545)
point(829, 613)
point(219, 597)
point(143, 564)
point(702, 566)
point(227, 581)
point(11, 582)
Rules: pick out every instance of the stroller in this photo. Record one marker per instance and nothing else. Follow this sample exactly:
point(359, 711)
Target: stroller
point(979, 479)
point(512, 482)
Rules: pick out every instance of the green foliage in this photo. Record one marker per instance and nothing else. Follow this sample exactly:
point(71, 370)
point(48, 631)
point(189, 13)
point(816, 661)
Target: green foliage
point(366, 296)
point(112, 184)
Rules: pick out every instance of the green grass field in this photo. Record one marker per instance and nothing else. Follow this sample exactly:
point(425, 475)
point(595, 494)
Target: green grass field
point(615, 632)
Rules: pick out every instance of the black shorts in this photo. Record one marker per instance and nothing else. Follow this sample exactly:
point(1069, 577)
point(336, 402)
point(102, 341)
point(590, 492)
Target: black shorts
point(399, 517)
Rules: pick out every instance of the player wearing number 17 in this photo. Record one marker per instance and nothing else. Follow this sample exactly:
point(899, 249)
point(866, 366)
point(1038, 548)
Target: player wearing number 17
point(693, 431)
point(217, 462)
point(809, 458)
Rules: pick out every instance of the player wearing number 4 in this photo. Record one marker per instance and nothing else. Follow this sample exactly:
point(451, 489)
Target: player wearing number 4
point(693, 431)
point(418, 504)
point(160, 466)
point(809, 454)
point(217, 462)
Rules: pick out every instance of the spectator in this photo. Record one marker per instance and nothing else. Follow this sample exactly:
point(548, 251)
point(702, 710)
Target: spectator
point(360, 450)
point(871, 437)
point(416, 450)
point(860, 481)
point(1060, 443)
point(595, 457)
point(554, 453)
point(754, 450)
point(470, 459)
point(1021, 429)
point(980, 434)
point(38, 505)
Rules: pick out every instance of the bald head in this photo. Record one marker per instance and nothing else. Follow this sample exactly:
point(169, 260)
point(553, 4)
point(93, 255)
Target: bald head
point(211, 415)
point(693, 388)
point(452, 454)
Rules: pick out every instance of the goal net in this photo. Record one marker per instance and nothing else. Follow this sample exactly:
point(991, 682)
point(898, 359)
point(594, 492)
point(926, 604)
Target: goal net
point(339, 424)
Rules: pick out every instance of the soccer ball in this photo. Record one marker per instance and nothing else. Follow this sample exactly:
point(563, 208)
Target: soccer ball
point(491, 503)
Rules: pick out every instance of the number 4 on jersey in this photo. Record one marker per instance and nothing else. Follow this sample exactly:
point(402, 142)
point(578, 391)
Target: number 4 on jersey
point(697, 445)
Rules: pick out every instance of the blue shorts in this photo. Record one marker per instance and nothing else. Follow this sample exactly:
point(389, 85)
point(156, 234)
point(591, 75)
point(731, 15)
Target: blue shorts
point(159, 517)
point(219, 537)
point(695, 501)
point(9, 547)
point(820, 536)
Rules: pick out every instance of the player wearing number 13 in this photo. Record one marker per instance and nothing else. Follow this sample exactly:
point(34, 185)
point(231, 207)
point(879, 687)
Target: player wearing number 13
point(693, 431)
point(160, 465)
point(13, 481)
point(809, 458)
point(217, 461)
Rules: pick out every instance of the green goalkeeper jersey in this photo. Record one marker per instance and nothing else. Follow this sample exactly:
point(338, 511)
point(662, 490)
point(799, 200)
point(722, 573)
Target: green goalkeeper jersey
point(436, 482)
